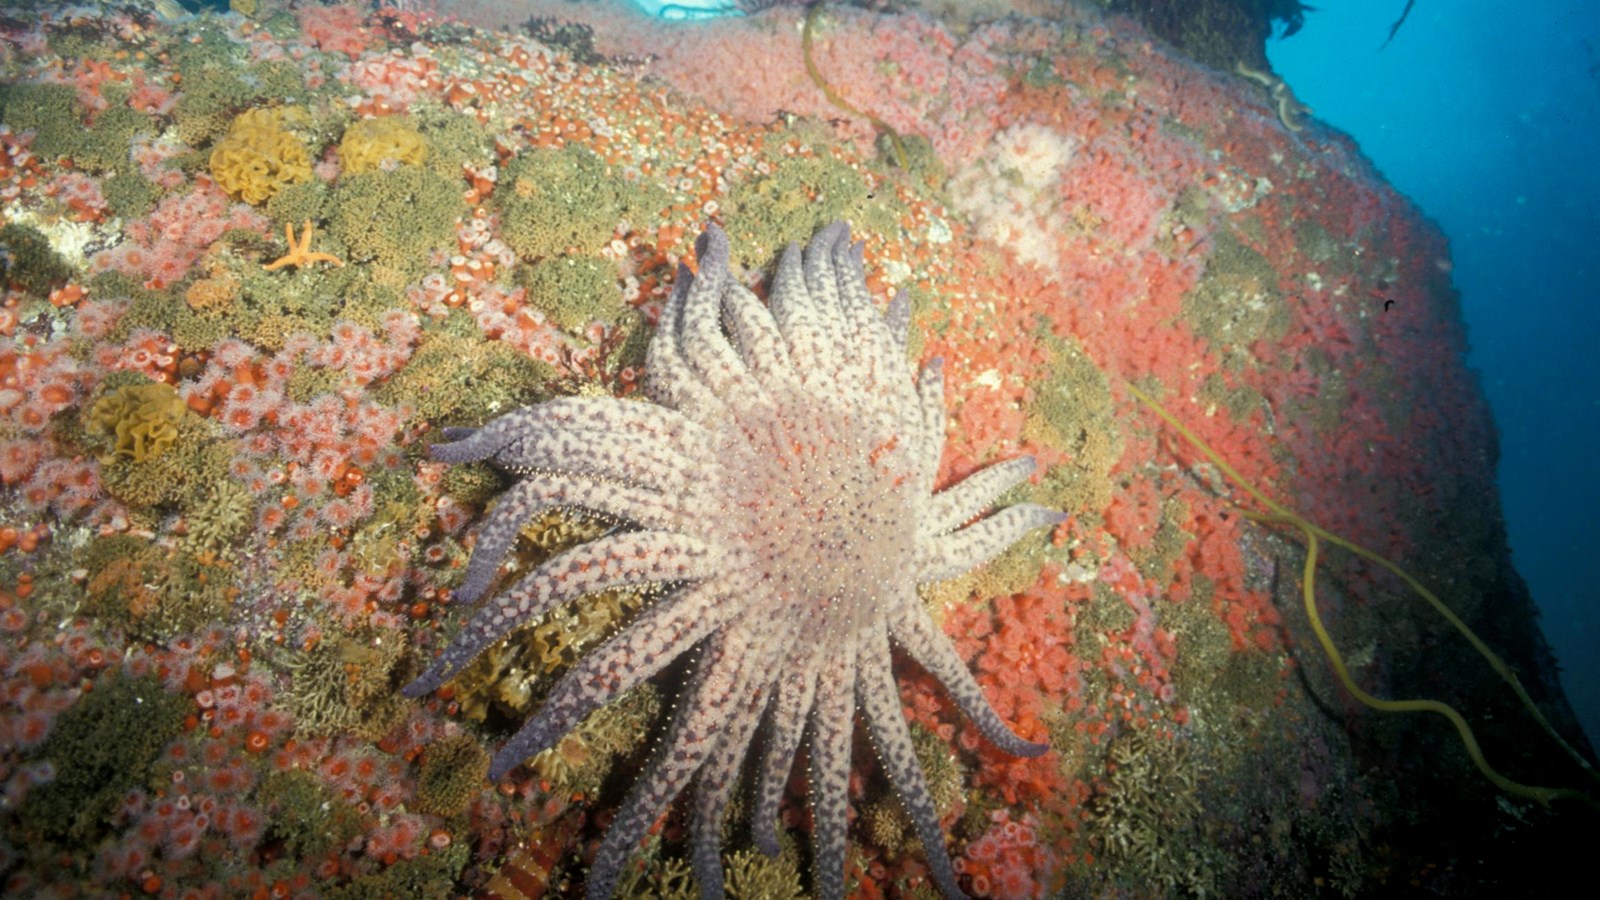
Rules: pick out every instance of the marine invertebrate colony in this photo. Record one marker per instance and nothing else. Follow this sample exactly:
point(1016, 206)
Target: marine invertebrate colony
point(782, 486)
point(386, 140)
point(141, 420)
point(259, 155)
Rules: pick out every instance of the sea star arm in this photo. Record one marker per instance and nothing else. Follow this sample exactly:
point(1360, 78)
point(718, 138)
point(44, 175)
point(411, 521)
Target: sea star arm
point(719, 774)
point(832, 722)
point(665, 629)
point(930, 405)
point(796, 693)
point(961, 551)
point(953, 506)
point(925, 643)
point(617, 560)
point(757, 339)
point(880, 702)
point(534, 495)
point(850, 274)
point(625, 419)
point(822, 287)
point(881, 353)
point(798, 318)
point(599, 454)
point(701, 342)
point(288, 259)
point(669, 377)
point(871, 372)
point(897, 318)
point(703, 712)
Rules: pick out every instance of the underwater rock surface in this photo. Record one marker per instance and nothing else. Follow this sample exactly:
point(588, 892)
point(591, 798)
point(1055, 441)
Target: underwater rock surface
point(206, 625)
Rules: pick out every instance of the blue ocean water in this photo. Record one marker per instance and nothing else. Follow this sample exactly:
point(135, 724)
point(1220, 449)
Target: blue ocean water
point(1487, 114)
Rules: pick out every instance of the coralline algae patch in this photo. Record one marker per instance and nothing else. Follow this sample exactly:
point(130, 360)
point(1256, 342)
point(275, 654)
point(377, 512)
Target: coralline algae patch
point(263, 584)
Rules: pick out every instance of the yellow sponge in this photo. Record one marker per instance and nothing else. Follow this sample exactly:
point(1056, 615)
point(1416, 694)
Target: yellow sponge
point(259, 155)
point(141, 419)
point(370, 143)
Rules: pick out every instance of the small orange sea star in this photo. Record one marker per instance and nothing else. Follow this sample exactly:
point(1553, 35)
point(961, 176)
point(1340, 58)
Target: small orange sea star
point(300, 255)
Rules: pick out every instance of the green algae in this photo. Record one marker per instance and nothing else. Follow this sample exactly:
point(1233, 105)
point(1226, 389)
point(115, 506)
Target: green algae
point(28, 261)
point(457, 377)
point(101, 747)
point(800, 195)
point(62, 128)
point(573, 290)
point(426, 877)
point(349, 682)
point(153, 592)
point(454, 770)
point(306, 817)
point(390, 221)
point(553, 201)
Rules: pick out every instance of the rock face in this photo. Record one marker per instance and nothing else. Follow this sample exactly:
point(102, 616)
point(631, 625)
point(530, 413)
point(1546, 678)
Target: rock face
point(1071, 208)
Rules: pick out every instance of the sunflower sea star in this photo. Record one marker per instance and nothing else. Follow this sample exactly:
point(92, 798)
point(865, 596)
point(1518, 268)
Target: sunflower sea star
point(781, 486)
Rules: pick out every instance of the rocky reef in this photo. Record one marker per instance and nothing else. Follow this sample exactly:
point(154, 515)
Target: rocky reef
point(255, 261)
